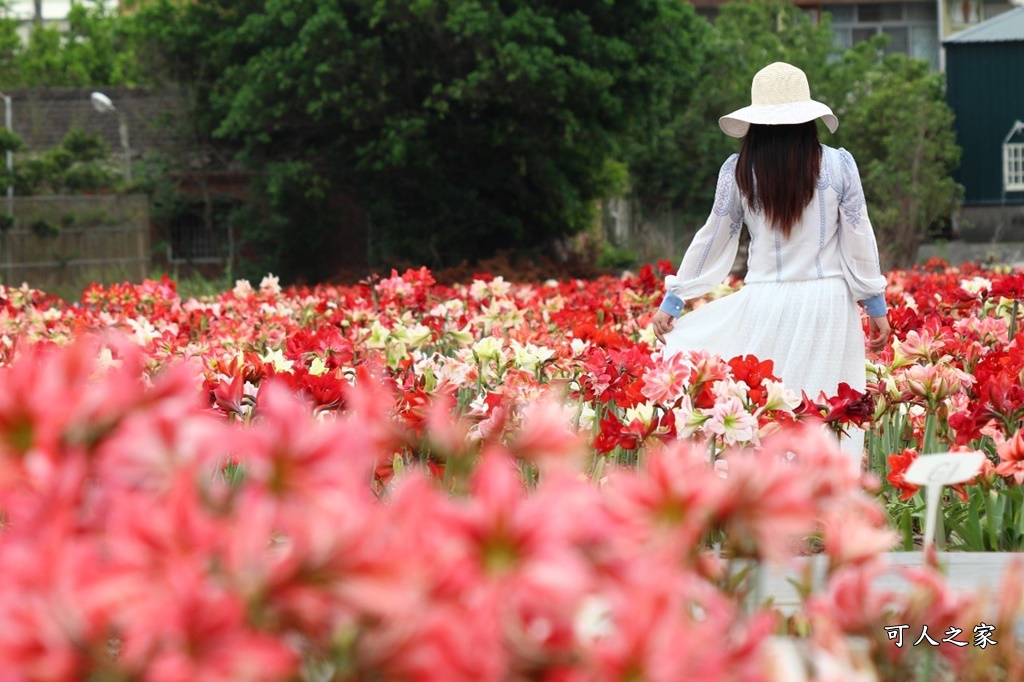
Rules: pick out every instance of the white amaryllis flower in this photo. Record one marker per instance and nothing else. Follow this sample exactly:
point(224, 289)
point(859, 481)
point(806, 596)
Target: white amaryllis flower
point(499, 287)
point(530, 357)
point(415, 335)
point(976, 285)
point(731, 421)
point(106, 360)
point(689, 420)
point(488, 348)
point(724, 389)
point(317, 367)
point(647, 336)
point(378, 338)
point(778, 397)
point(278, 360)
point(587, 418)
point(396, 352)
point(270, 285)
point(143, 332)
point(242, 288)
point(578, 346)
point(642, 411)
point(479, 290)
point(503, 313)
point(462, 337)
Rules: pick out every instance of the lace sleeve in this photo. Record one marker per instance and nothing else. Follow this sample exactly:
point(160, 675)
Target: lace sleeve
point(713, 250)
point(857, 246)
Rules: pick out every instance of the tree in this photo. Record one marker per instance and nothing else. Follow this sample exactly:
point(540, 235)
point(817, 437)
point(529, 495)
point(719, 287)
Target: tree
point(464, 126)
point(92, 48)
point(683, 165)
point(77, 164)
point(896, 121)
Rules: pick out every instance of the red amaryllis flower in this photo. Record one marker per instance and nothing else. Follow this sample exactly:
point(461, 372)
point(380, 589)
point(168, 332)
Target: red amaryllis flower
point(753, 372)
point(850, 406)
point(967, 424)
point(1011, 286)
point(898, 465)
point(613, 435)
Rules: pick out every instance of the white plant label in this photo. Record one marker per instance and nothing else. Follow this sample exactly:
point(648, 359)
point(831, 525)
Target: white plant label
point(935, 471)
point(947, 468)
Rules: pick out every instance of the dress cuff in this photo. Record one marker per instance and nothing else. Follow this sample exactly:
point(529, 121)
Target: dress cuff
point(875, 306)
point(672, 304)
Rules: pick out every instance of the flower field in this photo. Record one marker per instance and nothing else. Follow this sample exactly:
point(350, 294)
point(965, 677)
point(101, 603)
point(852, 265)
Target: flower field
point(399, 480)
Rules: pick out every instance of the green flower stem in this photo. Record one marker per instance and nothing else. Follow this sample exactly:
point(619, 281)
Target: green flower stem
point(1013, 319)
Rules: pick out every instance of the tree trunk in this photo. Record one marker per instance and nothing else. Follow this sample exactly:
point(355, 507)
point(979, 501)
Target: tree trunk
point(38, 18)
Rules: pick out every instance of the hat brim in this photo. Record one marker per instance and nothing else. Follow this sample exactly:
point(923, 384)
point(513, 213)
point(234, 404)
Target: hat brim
point(738, 122)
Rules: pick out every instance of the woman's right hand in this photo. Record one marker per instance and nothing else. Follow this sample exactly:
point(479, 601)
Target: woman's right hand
point(878, 328)
point(662, 324)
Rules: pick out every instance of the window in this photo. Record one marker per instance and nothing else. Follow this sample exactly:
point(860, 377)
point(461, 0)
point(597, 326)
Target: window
point(912, 27)
point(1013, 167)
point(1013, 159)
point(191, 240)
point(898, 40)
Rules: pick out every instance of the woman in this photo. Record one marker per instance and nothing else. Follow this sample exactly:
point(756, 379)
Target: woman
point(812, 254)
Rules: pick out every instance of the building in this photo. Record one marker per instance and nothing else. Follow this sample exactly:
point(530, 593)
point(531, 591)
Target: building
point(914, 27)
point(984, 67)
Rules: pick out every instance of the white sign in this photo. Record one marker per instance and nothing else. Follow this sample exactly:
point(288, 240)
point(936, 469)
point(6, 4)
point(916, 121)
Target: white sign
point(947, 468)
point(935, 471)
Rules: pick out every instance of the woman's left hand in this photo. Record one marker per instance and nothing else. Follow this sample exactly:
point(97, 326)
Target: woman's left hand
point(662, 324)
point(879, 329)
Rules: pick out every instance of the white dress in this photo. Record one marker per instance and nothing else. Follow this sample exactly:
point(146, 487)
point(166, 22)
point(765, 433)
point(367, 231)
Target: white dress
point(798, 306)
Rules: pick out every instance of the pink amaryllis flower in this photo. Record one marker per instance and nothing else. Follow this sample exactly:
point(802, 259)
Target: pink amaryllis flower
point(853, 602)
point(1012, 455)
point(732, 422)
point(935, 383)
point(667, 382)
point(765, 505)
point(670, 503)
point(856, 532)
point(545, 436)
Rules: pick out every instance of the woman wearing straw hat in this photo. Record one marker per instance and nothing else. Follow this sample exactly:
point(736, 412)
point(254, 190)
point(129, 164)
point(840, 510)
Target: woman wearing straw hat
point(812, 254)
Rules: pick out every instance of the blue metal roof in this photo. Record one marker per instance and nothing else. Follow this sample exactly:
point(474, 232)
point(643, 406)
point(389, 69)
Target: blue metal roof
point(1005, 27)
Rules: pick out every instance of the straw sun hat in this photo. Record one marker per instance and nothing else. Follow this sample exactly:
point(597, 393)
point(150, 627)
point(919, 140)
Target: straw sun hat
point(779, 95)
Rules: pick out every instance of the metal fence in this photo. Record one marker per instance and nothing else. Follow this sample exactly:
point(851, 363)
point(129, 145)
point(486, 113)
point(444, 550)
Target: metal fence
point(62, 243)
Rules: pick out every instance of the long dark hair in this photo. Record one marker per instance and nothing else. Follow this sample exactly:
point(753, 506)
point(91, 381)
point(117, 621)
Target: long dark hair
point(785, 160)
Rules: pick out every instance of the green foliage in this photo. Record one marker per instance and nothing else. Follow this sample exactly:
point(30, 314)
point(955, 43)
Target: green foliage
point(900, 129)
point(45, 228)
point(84, 147)
point(467, 127)
point(94, 47)
point(9, 141)
point(463, 126)
point(613, 257)
point(77, 164)
point(681, 159)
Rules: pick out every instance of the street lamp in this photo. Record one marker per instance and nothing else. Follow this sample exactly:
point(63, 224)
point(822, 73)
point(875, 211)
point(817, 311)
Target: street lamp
point(10, 155)
point(103, 104)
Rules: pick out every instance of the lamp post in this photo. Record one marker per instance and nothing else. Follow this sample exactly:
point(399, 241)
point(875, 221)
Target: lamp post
point(10, 155)
point(10, 185)
point(103, 104)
